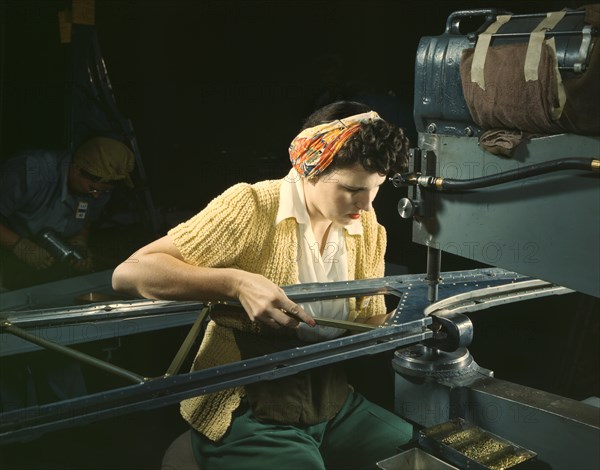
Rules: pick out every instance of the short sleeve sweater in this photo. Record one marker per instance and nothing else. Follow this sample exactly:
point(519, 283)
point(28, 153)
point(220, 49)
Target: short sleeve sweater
point(238, 230)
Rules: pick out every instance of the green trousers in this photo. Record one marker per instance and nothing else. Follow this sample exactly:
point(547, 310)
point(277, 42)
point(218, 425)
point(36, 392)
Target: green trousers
point(360, 435)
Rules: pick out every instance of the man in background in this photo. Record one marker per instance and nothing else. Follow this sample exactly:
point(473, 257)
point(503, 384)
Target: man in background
point(49, 196)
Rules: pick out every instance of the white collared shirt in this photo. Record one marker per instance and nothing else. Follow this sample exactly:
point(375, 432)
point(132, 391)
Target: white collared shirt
point(331, 266)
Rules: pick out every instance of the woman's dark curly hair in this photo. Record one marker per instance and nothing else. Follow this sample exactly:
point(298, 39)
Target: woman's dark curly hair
point(378, 146)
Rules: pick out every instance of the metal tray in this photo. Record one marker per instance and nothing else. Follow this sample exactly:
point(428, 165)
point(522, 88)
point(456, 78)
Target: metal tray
point(414, 459)
point(468, 446)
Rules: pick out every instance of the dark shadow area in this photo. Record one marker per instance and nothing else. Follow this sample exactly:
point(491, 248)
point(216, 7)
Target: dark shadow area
point(216, 90)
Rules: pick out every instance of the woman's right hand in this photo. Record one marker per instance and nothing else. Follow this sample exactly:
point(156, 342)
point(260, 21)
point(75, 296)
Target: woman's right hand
point(266, 302)
point(158, 271)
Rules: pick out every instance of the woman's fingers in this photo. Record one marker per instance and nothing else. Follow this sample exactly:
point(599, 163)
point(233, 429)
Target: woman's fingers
point(283, 319)
point(266, 302)
point(296, 312)
point(278, 318)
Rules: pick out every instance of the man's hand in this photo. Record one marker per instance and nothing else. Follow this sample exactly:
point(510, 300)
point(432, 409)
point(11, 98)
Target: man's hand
point(85, 265)
point(33, 254)
point(266, 302)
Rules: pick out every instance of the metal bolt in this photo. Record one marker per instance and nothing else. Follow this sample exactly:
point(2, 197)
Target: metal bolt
point(469, 131)
point(432, 128)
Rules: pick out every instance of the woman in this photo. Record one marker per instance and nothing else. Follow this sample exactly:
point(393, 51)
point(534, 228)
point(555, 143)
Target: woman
point(314, 225)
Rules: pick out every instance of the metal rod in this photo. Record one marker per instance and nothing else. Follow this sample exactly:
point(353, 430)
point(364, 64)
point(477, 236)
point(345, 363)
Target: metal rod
point(434, 267)
point(343, 324)
point(120, 310)
point(538, 15)
point(140, 310)
point(23, 423)
point(547, 33)
point(77, 355)
point(185, 347)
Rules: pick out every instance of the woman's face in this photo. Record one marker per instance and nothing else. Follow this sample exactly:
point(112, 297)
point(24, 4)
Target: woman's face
point(341, 196)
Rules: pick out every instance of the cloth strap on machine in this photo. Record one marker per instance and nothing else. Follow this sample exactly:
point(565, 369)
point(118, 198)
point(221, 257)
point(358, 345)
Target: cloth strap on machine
point(483, 44)
point(532, 58)
point(536, 39)
point(534, 52)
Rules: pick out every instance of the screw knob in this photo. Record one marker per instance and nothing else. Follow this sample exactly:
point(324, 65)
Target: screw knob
point(407, 207)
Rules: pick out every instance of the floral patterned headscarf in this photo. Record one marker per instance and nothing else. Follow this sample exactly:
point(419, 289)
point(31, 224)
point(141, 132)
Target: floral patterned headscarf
point(314, 148)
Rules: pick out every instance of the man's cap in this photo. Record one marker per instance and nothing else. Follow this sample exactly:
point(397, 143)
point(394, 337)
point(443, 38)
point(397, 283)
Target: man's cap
point(106, 158)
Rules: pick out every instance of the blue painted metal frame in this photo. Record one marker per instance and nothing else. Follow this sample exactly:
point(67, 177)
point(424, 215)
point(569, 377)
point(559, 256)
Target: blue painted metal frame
point(408, 327)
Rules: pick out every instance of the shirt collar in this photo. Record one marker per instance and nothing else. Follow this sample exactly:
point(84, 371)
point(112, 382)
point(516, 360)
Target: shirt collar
point(291, 199)
point(293, 205)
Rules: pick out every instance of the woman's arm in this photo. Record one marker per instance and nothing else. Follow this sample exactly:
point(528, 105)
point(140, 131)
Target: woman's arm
point(158, 271)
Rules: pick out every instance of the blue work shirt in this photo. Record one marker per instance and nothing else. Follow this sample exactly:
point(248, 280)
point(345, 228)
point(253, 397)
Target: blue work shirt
point(34, 196)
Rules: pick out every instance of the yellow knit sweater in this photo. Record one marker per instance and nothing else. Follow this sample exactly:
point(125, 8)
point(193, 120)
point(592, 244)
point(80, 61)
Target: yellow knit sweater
point(237, 230)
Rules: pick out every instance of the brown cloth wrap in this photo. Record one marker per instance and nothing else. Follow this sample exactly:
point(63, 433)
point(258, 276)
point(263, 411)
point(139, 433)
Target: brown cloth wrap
point(508, 102)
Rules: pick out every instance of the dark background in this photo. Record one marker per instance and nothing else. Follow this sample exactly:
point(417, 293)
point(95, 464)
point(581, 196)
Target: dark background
point(216, 90)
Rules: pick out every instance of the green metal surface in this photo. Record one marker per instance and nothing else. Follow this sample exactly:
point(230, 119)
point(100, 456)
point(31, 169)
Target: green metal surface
point(546, 226)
